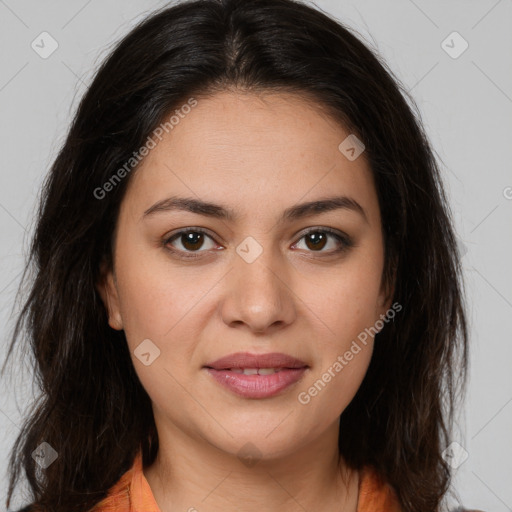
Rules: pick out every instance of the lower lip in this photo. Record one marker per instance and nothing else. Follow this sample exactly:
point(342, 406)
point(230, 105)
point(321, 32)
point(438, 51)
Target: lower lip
point(257, 386)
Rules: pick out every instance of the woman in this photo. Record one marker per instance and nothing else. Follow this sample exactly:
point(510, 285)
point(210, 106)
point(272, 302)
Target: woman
point(247, 290)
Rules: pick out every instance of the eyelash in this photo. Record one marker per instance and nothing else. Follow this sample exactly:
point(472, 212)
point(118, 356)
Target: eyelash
point(344, 240)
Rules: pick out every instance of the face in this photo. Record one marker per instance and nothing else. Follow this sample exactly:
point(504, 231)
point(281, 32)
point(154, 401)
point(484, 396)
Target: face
point(200, 285)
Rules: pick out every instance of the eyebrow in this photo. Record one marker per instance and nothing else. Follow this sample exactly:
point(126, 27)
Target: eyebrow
point(217, 211)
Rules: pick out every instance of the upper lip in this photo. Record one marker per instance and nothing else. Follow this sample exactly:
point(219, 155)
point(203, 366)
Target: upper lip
point(248, 360)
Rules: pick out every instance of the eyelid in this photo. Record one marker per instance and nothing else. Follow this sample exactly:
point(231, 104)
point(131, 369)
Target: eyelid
point(325, 229)
point(345, 240)
point(192, 229)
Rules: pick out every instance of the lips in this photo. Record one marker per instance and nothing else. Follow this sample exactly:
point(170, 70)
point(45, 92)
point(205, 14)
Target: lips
point(257, 376)
point(244, 360)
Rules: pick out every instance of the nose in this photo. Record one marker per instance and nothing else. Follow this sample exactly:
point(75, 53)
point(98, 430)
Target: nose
point(259, 294)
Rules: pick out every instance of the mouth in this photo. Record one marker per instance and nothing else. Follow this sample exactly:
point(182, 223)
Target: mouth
point(254, 371)
point(257, 376)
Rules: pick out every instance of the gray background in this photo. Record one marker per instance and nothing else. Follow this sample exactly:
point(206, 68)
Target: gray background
point(466, 106)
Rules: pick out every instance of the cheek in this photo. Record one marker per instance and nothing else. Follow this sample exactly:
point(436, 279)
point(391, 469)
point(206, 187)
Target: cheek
point(346, 300)
point(160, 306)
point(331, 389)
point(169, 307)
point(346, 304)
point(347, 309)
point(154, 296)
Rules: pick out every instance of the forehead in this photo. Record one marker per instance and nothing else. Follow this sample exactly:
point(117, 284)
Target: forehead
point(279, 126)
point(251, 149)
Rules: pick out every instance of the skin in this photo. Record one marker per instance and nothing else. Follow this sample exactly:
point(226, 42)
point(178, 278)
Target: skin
point(257, 154)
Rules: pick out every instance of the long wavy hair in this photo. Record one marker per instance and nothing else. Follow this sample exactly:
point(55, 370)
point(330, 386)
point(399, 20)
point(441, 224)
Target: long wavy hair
point(92, 408)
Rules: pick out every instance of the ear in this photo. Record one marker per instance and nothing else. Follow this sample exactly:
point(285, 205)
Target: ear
point(107, 288)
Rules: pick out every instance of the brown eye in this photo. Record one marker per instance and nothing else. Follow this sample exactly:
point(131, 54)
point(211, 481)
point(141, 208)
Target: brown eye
point(190, 243)
point(191, 240)
point(318, 239)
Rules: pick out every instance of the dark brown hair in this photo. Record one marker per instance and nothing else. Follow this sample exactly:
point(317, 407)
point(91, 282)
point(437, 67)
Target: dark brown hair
point(92, 408)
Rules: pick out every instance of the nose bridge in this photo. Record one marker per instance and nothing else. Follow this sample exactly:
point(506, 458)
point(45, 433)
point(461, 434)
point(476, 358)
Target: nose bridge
point(258, 294)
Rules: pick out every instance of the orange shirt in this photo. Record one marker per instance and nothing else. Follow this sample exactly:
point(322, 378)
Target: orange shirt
point(132, 493)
